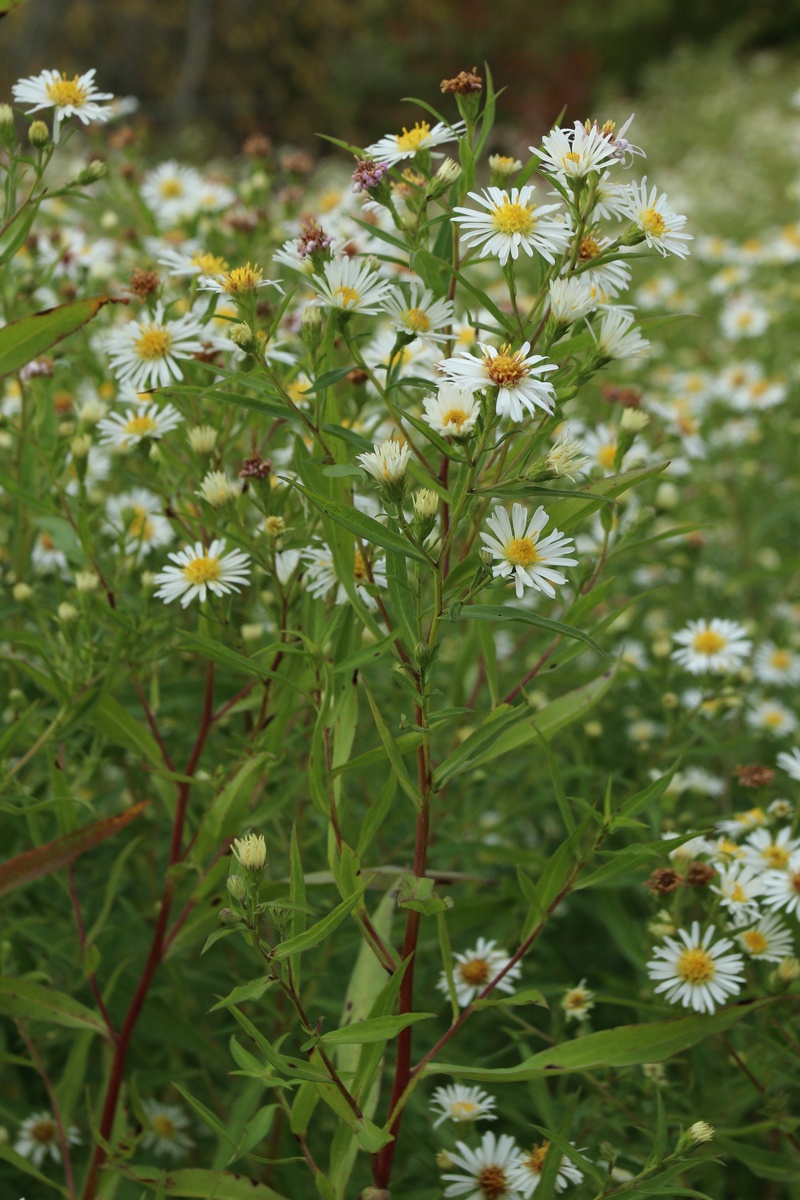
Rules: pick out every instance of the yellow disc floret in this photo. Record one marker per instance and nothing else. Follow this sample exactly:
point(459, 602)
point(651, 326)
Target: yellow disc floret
point(65, 92)
point(413, 139)
point(153, 342)
point(695, 966)
point(708, 641)
point(140, 426)
point(505, 369)
point(202, 570)
point(521, 552)
point(513, 218)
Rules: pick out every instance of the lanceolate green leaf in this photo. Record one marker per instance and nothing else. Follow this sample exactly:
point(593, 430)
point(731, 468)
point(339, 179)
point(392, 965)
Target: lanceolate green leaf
point(377, 1029)
point(34, 1002)
point(221, 1185)
point(565, 514)
point(362, 525)
point(506, 612)
point(22, 341)
point(317, 933)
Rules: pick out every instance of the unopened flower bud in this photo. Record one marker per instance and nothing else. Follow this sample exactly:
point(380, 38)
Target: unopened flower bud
point(81, 445)
point(444, 178)
point(311, 327)
point(86, 581)
point(275, 527)
point(667, 496)
point(251, 851)
point(38, 135)
point(701, 1131)
point(788, 970)
point(21, 592)
point(93, 171)
point(426, 503)
point(202, 439)
point(7, 131)
point(251, 633)
point(634, 420)
point(237, 887)
point(502, 168)
point(242, 336)
point(67, 612)
point(226, 916)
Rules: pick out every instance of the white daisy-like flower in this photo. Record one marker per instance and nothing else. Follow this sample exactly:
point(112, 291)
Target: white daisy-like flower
point(215, 196)
point(782, 809)
point(765, 852)
point(725, 851)
point(618, 336)
point(782, 887)
point(789, 761)
point(689, 850)
point(527, 1173)
point(77, 97)
point(237, 281)
point(681, 413)
point(600, 444)
point(662, 229)
point(696, 972)
point(136, 516)
point(718, 645)
point(743, 316)
point(387, 462)
point(768, 941)
point(145, 353)
point(166, 1129)
point(462, 1105)
point(38, 1136)
point(394, 147)
point(512, 222)
point(743, 822)
point(172, 192)
point(571, 298)
point(350, 286)
point(217, 489)
point(760, 395)
point(474, 969)
point(46, 558)
point(486, 1171)
point(451, 412)
point(419, 315)
point(770, 716)
point(739, 886)
point(578, 1002)
point(776, 664)
point(190, 258)
point(607, 280)
point(567, 455)
point(513, 373)
point(572, 154)
point(285, 565)
point(199, 570)
point(610, 197)
point(697, 779)
point(128, 429)
point(523, 553)
point(321, 578)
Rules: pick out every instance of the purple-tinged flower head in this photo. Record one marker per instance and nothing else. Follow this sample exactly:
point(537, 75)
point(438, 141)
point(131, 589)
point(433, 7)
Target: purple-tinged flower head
point(312, 238)
point(368, 174)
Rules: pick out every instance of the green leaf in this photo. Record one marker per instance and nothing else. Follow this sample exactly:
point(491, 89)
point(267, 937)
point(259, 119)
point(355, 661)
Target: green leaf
point(22, 1164)
point(376, 1029)
point(393, 752)
point(256, 1130)
point(506, 612)
point(766, 1164)
point(626, 1046)
point(198, 1184)
point(34, 1002)
point(317, 933)
point(567, 513)
point(205, 1114)
point(491, 727)
point(121, 729)
point(229, 808)
point(22, 341)
point(43, 860)
point(246, 991)
point(528, 996)
point(360, 524)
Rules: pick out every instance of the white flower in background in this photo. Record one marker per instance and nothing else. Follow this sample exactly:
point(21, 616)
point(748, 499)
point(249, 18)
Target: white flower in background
point(743, 316)
point(172, 192)
point(600, 444)
point(126, 430)
point(688, 850)
point(388, 461)
point(512, 222)
point(320, 575)
point(578, 1002)
point(769, 940)
point(462, 1105)
point(46, 558)
point(776, 664)
point(217, 489)
point(727, 279)
point(782, 887)
point(696, 971)
point(610, 199)
point(571, 298)
point(199, 571)
point(415, 359)
point(765, 852)
point(743, 822)
point(38, 1136)
point(567, 456)
point(215, 196)
point(393, 148)
point(760, 395)
point(657, 292)
point(418, 315)
point(76, 97)
point(770, 716)
point(696, 779)
point(166, 1129)
point(513, 373)
point(789, 761)
point(718, 645)
point(782, 809)
point(136, 516)
point(451, 412)
point(527, 1173)
point(486, 1171)
point(739, 888)
point(572, 154)
point(523, 553)
point(285, 565)
point(350, 286)
point(189, 258)
point(618, 336)
point(662, 229)
point(475, 969)
point(202, 438)
point(145, 353)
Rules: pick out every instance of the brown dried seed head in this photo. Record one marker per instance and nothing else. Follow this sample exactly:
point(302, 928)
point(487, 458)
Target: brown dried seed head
point(464, 83)
point(143, 283)
point(628, 397)
point(754, 775)
point(255, 468)
point(257, 145)
point(700, 874)
point(663, 881)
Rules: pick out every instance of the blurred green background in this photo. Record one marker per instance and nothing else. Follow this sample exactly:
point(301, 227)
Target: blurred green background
point(209, 72)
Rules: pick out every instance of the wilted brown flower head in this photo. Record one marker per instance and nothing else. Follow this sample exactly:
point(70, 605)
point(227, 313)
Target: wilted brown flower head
point(257, 145)
point(628, 397)
point(255, 468)
point(700, 874)
point(464, 83)
point(663, 881)
point(143, 283)
point(754, 775)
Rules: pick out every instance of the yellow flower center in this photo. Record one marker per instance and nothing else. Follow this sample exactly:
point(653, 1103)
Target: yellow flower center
point(505, 369)
point(140, 426)
point(462, 1110)
point(474, 972)
point(46, 542)
point(572, 156)
point(242, 279)
point(534, 1159)
point(44, 1132)
point(753, 816)
point(170, 188)
point(773, 718)
point(209, 264)
point(574, 1000)
point(738, 894)
point(163, 1127)
point(695, 966)
point(359, 568)
point(513, 218)
point(709, 642)
point(653, 222)
point(756, 942)
point(202, 570)
point(521, 551)
point(775, 856)
point(412, 139)
point(503, 164)
point(492, 1182)
point(140, 526)
point(455, 416)
point(589, 247)
point(417, 320)
point(346, 295)
point(795, 881)
point(743, 319)
point(153, 342)
point(780, 659)
point(63, 92)
point(607, 456)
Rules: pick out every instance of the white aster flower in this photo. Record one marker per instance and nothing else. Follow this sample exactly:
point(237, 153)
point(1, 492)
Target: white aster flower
point(321, 576)
point(462, 1105)
point(215, 196)
point(136, 516)
point(696, 972)
point(571, 298)
point(387, 462)
point(770, 716)
point(237, 281)
point(572, 154)
point(38, 1136)
point(474, 969)
point(199, 571)
point(77, 97)
point(516, 542)
point(285, 565)
point(512, 221)
point(618, 337)
point(578, 1002)
point(610, 199)
point(739, 886)
point(782, 887)
point(486, 1171)
point(172, 192)
point(189, 258)
point(688, 850)
point(350, 286)
point(765, 852)
point(718, 645)
point(789, 761)
point(128, 429)
point(743, 316)
point(743, 822)
point(513, 373)
point(527, 1173)
point(217, 489)
point(567, 456)
point(166, 1129)
point(46, 558)
point(419, 315)
point(145, 353)
point(607, 279)
point(768, 941)
point(662, 229)
point(776, 664)
point(393, 148)
point(451, 412)
point(697, 779)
